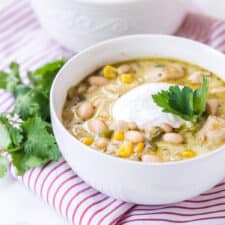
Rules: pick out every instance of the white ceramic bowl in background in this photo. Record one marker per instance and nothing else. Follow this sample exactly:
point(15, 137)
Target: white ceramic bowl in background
point(212, 7)
point(138, 182)
point(78, 24)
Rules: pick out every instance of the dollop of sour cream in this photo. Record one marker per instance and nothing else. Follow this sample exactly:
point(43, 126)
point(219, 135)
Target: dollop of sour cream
point(138, 106)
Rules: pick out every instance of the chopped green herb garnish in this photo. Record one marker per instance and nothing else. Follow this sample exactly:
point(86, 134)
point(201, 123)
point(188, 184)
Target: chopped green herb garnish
point(107, 133)
point(184, 102)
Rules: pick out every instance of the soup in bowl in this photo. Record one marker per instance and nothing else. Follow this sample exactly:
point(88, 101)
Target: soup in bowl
point(117, 110)
point(142, 118)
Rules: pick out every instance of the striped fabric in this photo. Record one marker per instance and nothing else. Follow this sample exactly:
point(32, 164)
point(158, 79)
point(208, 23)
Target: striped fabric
point(22, 40)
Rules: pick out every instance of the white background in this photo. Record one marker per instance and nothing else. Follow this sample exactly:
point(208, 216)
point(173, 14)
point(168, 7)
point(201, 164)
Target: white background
point(215, 8)
point(18, 206)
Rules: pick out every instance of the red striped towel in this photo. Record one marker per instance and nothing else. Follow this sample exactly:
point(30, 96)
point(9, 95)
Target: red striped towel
point(22, 40)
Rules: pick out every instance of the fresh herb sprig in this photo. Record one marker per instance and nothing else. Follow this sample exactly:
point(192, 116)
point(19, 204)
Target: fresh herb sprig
point(184, 102)
point(29, 141)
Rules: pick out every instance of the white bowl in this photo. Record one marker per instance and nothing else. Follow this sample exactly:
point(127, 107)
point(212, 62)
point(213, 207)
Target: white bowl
point(209, 7)
point(78, 24)
point(137, 182)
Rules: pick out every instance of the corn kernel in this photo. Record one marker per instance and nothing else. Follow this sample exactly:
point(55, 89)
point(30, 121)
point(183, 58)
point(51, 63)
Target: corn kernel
point(88, 140)
point(188, 154)
point(139, 148)
point(215, 126)
point(127, 78)
point(118, 135)
point(125, 150)
point(109, 72)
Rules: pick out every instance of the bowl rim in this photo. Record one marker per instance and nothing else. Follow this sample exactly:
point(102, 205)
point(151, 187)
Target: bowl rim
point(110, 157)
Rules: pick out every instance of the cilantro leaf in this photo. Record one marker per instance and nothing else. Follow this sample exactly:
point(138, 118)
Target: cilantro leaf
point(23, 162)
point(21, 89)
point(10, 137)
point(3, 79)
point(32, 102)
point(39, 140)
point(5, 139)
point(40, 145)
point(9, 81)
point(31, 142)
point(200, 97)
point(43, 77)
point(17, 161)
point(184, 102)
point(14, 68)
point(30, 145)
point(3, 166)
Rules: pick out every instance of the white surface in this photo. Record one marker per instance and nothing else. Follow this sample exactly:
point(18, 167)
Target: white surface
point(147, 112)
point(19, 206)
point(80, 25)
point(114, 176)
point(214, 8)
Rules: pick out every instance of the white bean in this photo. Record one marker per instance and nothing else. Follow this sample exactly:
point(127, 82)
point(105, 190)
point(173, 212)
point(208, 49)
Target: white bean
point(97, 126)
point(213, 130)
point(156, 74)
point(168, 72)
point(196, 77)
point(111, 148)
point(150, 158)
point(134, 136)
point(123, 69)
point(97, 80)
point(85, 110)
point(166, 128)
point(173, 138)
point(101, 143)
point(212, 106)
